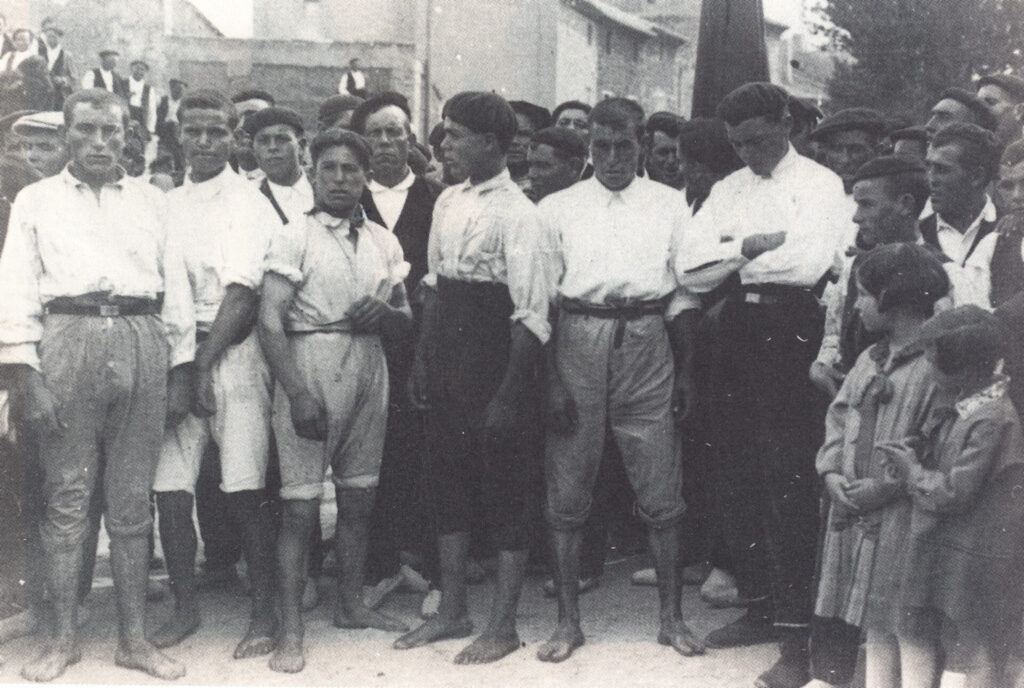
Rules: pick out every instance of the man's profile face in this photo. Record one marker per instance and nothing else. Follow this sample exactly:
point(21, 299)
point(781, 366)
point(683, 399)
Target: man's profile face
point(945, 112)
point(354, 64)
point(698, 177)
point(1011, 187)
point(521, 141)
point(387, 131)
point(549, 172)
point(177, 90)
point(464, 151)
point(662, 161)
point(139, 71)
point(206, 139)
point(95, 138)
point(1001, 104)
point(878, 212)
point(43, 150)
point(575, 119)
point(21, 39)
point(845, 151)
point(950, 183)
point(52, 38)
point(277, 149)
point(338, 179)
point(760, 143)
point(615, 152)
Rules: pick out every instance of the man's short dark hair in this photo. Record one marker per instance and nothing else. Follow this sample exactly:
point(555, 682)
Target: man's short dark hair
point(332, 138)
point(539, 116)
point(209, 99)
point(756, 99)
point(665, 122)
point(436, 135)
point(978, 147)
point(619, 114)
point(902, 175)
point(567, 144)
point(903, 275)
point(569, 105)
point(253, 94)
point(483, 113)
point(983, 117)
point(374, 105)
point(97, 98)
point(705, 140)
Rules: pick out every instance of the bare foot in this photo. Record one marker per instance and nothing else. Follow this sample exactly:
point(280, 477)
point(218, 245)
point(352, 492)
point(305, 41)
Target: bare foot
point(145, 657)
point(181, 625)
point(288, 657)
point(677, 634)
point(434, 629)
point(488, 648)
point(52, 662)
point(20, 625)
point(566, 638)
point(259, 639)
point(361, 616)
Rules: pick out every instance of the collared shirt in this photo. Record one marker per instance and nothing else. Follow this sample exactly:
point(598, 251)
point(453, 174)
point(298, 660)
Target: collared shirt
point(391, 199)
point(224, 226)
point(295, 200)
point(136, 88)
point(64, 241)
point(52, 55)
point(172, 109)
point(801, 198)
point(331, 271)
point(491, 232)
point(978, 265)
point(89, 80)
point(615, 247)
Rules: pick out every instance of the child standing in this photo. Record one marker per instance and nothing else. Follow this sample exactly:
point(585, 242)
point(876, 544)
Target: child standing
point(962, 575)
point(886, 396)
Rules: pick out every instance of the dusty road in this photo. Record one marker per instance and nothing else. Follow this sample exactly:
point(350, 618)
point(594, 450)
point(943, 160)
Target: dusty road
point(619, 621)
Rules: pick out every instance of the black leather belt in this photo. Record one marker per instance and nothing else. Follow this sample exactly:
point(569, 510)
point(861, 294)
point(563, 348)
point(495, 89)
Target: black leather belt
point(64, 305)
point(621, 313)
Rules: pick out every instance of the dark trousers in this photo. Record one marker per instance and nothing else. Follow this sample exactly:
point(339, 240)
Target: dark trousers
point(222, 544)
point(768, 420)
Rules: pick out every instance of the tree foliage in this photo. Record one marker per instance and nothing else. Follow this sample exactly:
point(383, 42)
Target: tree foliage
point(905, 52)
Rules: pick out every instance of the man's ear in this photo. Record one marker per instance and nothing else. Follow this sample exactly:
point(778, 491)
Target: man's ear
point(907, 204)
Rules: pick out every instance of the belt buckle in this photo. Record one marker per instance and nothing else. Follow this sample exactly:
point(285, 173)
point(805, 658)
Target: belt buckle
point(110, 310)
point(753, 297)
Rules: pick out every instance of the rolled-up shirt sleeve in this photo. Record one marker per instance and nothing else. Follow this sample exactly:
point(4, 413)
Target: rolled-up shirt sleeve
point(286, 253)
point(527, 247)
point(178, 313)
point(21, 309)
point(244, 264)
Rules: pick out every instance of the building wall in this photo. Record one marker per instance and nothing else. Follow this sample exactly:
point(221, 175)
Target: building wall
point(576, 61)
point(643, 68)
point(380, 21)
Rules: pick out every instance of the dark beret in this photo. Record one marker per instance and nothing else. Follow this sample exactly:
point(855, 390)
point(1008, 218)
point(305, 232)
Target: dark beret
point(109, 51)
point(665, 122)
point(140, 62)
point(888, 166)
point(252, 94)
point(270, 116)
point(178, 81)
point(804, 110)
point(851, 119)
point(483, 113)
point(981, 113)
point(1013, 155)
point(910, 134)
point(561, 139)
point(966, 317)
point(756, 99)
point(540, 117)
point(332, 108)
point(1013, 85)
point(378, 102)
point(704, 140)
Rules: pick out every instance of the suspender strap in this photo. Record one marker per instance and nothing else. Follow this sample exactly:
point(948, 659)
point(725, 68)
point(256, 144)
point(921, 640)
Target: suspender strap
point(265, 190)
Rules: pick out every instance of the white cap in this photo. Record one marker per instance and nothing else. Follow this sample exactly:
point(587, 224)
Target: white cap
point(46, 121)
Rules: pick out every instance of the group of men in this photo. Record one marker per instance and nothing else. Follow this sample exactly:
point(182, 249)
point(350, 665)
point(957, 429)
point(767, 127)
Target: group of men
point(479, 344)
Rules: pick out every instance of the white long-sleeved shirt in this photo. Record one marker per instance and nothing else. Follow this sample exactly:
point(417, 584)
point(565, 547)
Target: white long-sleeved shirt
point(491, 232)
point(89, 80)
point(800, 197)
point(224, 226)
point(616, 247)
point(136, 87)
point(295, 200)
point(978, 266)
point(391, 199)
point(63, 240)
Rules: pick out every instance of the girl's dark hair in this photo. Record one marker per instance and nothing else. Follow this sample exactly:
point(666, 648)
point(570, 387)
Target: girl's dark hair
point(904, 276)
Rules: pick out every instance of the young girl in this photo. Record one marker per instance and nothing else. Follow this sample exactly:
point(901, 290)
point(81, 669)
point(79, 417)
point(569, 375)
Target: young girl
point(886, 396)
point(962, 574)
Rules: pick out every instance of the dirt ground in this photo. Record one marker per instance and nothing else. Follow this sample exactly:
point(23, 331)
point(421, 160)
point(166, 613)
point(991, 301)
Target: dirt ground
point(619, 621)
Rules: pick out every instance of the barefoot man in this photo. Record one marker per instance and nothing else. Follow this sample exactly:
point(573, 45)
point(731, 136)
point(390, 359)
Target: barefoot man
point(333, 289)
point(484, 321)
point(611, 362)
point(96, 309)
point(223, 225)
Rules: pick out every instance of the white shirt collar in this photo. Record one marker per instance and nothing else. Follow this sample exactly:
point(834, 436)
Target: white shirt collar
point(211, 187)
point(301, 185)
point(987, 214)
point(376, 187)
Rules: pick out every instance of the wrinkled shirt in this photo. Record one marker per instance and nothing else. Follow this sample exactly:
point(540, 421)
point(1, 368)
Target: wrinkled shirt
point(491, 232)
point(224, 226)
point(615, 247)
point(800, 197)
point(391, 199)
point(330, 271)
point(977, 266)
point(295, 200)
point(64, 241)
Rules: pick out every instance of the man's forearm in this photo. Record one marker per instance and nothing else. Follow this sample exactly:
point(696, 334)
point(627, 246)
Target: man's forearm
point(682, 334)
point(235, 314)
point(522, 357)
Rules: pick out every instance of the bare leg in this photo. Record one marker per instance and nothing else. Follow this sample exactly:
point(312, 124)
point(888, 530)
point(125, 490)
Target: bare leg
point(565, 545)
point(63, 567)
point(664, 544)
point(129, 562)
point(882, 661)
point(297, 516)
point(250, 512)
point(452, 620)
point(178, 539)
point(500, 637)
point(354, 509)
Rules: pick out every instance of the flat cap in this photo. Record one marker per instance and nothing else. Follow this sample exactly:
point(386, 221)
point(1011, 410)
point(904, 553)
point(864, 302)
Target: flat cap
point(1013, 85)
point(916, 133)
point(851, 119)
point(888, 166)
point(332, 108)
point(270, 116)
point(7, 121)
point(178, 81)
point(46, 121)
